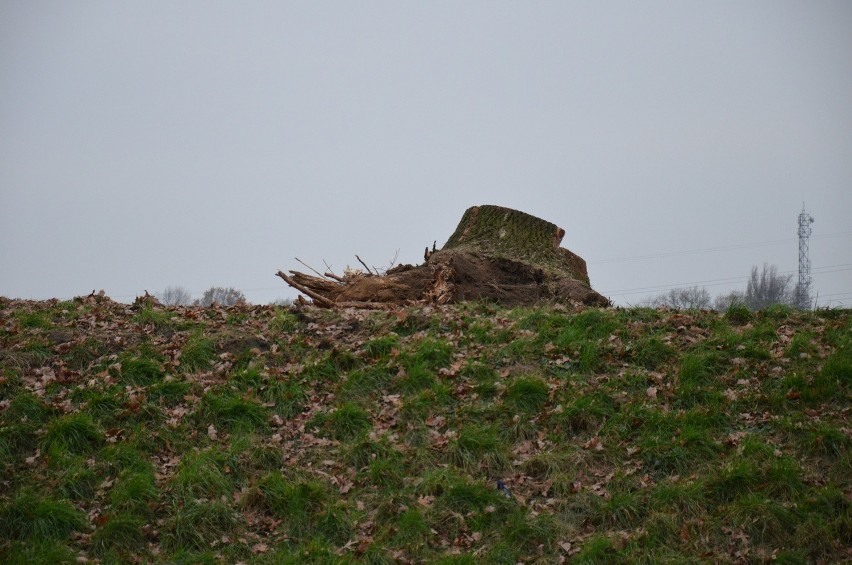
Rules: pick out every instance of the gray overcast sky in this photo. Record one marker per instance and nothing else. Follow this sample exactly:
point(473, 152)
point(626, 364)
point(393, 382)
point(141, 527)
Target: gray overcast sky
point(201, 143)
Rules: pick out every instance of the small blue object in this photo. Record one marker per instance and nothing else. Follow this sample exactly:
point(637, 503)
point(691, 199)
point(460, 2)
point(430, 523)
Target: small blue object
point(501, 486)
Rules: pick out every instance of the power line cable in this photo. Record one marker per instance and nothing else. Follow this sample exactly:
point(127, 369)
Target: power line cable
point(735, 246)
point(718, 282)
point(847, 293)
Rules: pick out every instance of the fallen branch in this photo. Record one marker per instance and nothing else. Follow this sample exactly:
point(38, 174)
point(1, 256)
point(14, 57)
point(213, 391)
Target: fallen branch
point(363, 263)
point(328, 269)
point(319, 299)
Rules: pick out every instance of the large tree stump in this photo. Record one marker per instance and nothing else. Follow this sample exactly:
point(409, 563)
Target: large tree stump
point(495, 254)
point(495, 231)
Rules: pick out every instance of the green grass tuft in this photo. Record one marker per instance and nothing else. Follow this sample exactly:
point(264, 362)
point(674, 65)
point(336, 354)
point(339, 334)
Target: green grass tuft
point(140, 370)
point(168, 392)
point(134, 491)
point(198, 353)
point(348, 421)
point(738, 314)
point(227, 411)
point(285, 321)
point(196, 525)
point(651, 353)
point(418, 377)
point(120, 532)
point(381, 348)
point(34, 320)
point(29, 516)
point(290, 398)
point(150, 316)
point(74, 433)
point(838, 367)
point(529, 533)
point(528, 394)
point(479, 447)
point(432, 354)
point(202, 474)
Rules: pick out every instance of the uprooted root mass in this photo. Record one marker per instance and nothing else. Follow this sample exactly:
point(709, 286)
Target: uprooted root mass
point(496, 254)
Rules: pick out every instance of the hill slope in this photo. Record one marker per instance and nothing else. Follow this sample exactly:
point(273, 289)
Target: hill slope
point(465, 434)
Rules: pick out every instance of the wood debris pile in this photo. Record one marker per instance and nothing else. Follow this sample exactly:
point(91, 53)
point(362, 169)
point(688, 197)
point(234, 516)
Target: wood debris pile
point(496, 254)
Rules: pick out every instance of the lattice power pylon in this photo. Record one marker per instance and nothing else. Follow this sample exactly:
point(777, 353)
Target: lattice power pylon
point(803, 290)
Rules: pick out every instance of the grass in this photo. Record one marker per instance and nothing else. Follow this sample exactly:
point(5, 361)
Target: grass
point(348, 421)
point(30, 516)
point(479, 448)
point(527, 394)
point(134, 491)
point(74, 433)
point(198, 353)
point(232, 412)
point(197, 524)
point(140, 370)
point(304, 505)
point(275, 435)
point(119, 533)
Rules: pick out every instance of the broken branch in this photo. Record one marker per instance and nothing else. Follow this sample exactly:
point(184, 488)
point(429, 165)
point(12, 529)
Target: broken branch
point(308, 266)
point(319, 299)
point(363, 263)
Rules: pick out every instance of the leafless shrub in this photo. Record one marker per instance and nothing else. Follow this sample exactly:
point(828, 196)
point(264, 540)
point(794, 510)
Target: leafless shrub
point(174, 296)
point(767, 287)
point(221, 295)
point(693, 298)
point(725, 301)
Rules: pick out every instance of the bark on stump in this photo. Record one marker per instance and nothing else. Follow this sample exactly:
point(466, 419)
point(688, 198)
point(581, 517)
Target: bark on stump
point(495, 254)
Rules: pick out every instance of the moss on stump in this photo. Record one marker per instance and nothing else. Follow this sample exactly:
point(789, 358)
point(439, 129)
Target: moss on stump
point(499, 232)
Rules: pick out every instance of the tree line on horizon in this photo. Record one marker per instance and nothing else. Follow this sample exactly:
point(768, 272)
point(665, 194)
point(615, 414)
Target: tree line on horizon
point(765, 287)
point(225, 296)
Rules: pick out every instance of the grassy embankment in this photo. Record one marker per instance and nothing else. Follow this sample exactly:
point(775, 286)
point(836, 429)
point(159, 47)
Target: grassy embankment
point(261, 434)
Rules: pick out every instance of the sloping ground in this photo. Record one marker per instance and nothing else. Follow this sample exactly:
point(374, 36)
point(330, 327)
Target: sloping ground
point(262, 434)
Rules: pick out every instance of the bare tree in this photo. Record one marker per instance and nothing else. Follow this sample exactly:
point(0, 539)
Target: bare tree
point(767, 287)
point(221, 295)
point(174, 296)
point(725, 301)
point(693, 298)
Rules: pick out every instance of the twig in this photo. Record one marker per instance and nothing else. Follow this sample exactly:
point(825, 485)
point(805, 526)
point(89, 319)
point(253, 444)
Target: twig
point(363, 263)
point(308, 266)
point(335, 277)
point(328, 268)
point(392, 261)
